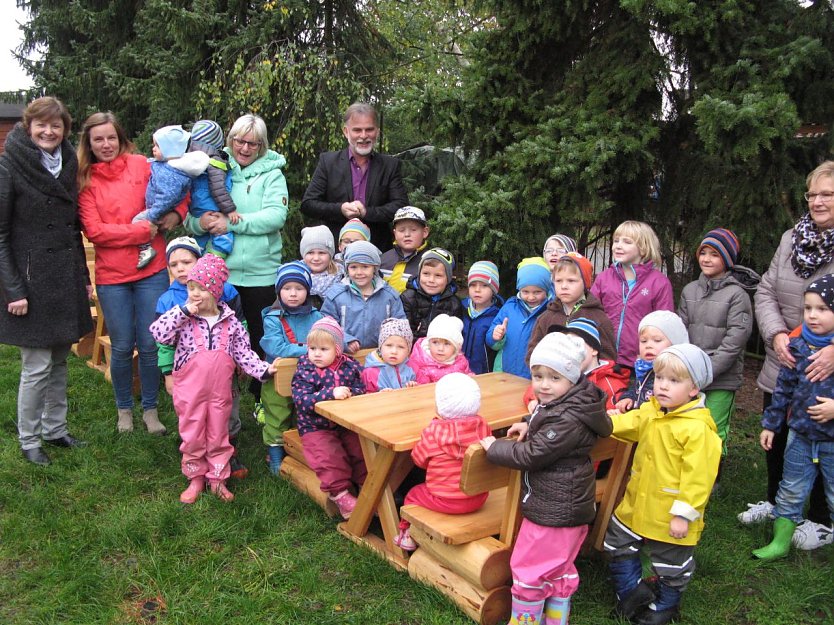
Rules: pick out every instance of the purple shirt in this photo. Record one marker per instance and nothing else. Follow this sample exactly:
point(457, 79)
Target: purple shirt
point(359, 177)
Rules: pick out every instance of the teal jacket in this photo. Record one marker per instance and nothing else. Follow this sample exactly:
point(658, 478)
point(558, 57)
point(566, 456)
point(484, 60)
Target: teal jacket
point(260, 193)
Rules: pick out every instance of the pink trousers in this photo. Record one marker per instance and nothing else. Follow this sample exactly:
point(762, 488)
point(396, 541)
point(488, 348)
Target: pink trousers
point(336, 458)
point(543, 561)
point(421, 496)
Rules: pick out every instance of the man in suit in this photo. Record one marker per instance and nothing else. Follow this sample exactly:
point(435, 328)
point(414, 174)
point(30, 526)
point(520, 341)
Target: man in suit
point(357, 181)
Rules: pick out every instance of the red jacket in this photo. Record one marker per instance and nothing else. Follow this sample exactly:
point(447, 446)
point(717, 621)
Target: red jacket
point(609, 377)
point(106, 206)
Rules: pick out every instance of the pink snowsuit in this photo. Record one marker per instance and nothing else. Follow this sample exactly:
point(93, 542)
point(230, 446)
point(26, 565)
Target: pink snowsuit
point(428, 370)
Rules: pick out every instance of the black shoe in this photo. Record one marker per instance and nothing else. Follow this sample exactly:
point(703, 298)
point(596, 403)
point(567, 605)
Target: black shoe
point(238, 470)
point(36, 455)
point(65, 441)
point(634, 602)
point(662, 617)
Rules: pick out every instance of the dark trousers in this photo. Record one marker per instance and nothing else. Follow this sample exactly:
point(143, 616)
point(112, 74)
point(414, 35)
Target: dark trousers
point(254, 299)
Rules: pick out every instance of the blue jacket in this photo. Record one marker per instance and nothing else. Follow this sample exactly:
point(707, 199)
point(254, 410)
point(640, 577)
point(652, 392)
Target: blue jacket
point(210, 190)
point(275, 342)
point(361, 318)
point(480, 357)
point(519, 328)
point(166, 188)
point(794, 393)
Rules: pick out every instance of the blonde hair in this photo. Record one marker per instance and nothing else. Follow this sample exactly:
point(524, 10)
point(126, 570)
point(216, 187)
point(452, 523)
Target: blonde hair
point(826, 168)
point(669, 364)
point(566, 263)
point(319, 337)
point(86, 158)
point(244, 125)
point(644, 237)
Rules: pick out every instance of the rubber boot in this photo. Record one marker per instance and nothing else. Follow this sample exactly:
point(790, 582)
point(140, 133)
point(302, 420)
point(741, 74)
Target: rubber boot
point(633, 594)
point(276, 456)
point(556, 611)
point(780, 545)
point(527, 612)
point(220, 490)
point(195, 487)
point(665, 609)
point(125, 422)
point(151, 418)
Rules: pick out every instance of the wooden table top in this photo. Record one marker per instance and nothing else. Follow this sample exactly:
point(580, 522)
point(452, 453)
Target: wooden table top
point(395, 419)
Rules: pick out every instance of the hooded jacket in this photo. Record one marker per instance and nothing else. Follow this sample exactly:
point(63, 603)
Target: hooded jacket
point(480, 357)
point(420, 307)
point(513, 346)
point(609, 377)
point(170, 182)
point(311, 385)
point(440, 451)
point(360, 318)
point(275, 342)
point(674, 468)
point(558, 484)
point(718, 315)
point(428, 370)
point(210, 191)
point(374, 366)
point(625, 308)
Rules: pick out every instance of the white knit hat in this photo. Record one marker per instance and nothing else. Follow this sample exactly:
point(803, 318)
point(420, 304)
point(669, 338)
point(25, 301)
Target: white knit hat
point(316, 238)
point(457, 395)
point(561, 352)
point(667, 322)
point(445, 327)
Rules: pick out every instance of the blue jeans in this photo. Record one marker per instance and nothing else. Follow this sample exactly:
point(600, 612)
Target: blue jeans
point(129, 310)
point(800, 472)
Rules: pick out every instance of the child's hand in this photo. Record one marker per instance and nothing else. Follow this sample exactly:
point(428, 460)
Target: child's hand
point(766, 439)
point(352, 347)
point(611, 412)
point(341, 392)
point(678, 527)
point(169, 385)
point(411, 384)
point(234, 217)
point(624, 405)
point(191, 307)
point(500, 330)
point(273, 367)
point(823, 411)
point(487, 442)
point(532, 405)
point(519, 428)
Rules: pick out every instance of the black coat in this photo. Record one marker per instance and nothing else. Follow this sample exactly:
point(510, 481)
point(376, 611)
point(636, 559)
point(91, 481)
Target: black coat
point(558, 481)
point(41, 254)
point(332, 185)
point(420, 307)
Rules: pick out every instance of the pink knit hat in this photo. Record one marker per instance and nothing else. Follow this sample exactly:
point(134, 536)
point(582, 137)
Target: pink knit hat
point(211, 272)
point(332, 327)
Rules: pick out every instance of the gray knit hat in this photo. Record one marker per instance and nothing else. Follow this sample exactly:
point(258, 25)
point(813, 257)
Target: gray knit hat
point(363, 252)
point(696, 361)
point(317, 238)
point(395, 327)
point(667, 322)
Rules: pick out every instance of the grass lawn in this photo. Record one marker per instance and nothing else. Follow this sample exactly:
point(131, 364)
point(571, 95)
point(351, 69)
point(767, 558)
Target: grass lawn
point(100, 537)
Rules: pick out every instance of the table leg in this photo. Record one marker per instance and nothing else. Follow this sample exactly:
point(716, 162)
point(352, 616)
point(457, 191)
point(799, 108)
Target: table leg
point(379, 462)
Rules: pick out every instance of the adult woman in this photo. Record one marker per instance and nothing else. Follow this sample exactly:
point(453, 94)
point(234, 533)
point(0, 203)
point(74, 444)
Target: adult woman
point(112, 182)
point(805, 253)
point(259, 192)
point(44, 305)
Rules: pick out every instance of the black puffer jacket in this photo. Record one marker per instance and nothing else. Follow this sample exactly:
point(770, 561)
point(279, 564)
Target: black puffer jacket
point(420, 307)
point(558, 482)
point(41, 254)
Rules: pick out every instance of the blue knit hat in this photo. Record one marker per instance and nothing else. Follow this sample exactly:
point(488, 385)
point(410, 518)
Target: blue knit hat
point(208, 132)
point(444, 257)
point(534, 271)
point(363, 252)
point(294, 271)
point(725, 242)
point(584, 328)
point(172, 141)
point(484, 271)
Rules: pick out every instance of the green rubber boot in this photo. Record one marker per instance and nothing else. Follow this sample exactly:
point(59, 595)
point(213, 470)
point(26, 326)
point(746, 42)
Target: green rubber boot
point(780, 545)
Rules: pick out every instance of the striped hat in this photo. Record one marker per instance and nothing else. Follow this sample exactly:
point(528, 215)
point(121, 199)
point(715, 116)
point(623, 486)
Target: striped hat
point(560, 241)
point(362, 252)
point(584, 328)
point(294, 271)
point(725, 242)
point(356, 225)
point(534, 271)
point(331, 327)
point(208, 132)
point(484, 271)
point(444, 257)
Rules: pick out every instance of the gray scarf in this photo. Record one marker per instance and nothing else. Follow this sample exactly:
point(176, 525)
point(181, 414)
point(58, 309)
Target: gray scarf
point(52, 162)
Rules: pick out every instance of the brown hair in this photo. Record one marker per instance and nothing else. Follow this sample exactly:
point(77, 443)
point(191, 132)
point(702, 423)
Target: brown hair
point(47, 108)
point(86, 158)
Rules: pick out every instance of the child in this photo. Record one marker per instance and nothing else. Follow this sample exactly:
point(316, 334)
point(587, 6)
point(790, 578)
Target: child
point(354, 230)
point(572, 276)
point(810, 447)
point(610, 377)
point(317, 251)
point(439, 352)
point(440, 452)
point(556, 246)
point(332, 451)
point(362, 300)
point(671, 479)
point(182, 254)
point(656, 332)
point(286, 325)
point(400, 263)
point(386, 368)
point(632, 286)
point(513, 325)
point(718, 315)
point(210, 342)
point(480, 309)
point(172, 170)
point(432, 292)
point(210, 191)
point(553, 449)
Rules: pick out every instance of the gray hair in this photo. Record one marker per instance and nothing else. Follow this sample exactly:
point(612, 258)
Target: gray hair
point(246, 124)
point(360, 108)
point(826, 168)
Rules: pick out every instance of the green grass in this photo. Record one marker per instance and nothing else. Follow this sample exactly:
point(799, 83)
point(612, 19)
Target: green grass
point(92, 537)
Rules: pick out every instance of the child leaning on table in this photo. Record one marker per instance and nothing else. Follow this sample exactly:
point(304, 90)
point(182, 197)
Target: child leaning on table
point(386, 368)
point(439, 352)
point(331, 451)
point(210, 343)
point(557, 500)
point(440, 451)
point(674, 469)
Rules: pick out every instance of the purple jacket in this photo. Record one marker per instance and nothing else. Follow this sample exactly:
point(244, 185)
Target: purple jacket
point(177, 327)
point(625, 309)
point(310, 385)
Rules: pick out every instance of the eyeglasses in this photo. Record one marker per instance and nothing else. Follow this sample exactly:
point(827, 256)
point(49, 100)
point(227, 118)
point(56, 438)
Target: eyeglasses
point(555, 250)
point(252, 145)
point(825, 196)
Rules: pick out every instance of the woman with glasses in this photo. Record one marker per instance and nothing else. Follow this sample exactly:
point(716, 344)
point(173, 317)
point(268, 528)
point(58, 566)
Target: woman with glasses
point(259, 192)
point(805, 253)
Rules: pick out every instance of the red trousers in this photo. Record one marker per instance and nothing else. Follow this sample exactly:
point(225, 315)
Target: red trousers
point(421, 496)
point(336, 458)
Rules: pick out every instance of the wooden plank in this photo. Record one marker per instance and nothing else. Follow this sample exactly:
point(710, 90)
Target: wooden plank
point(479, 475)
point(458, 529)
point(303, 478)
point(292, 445)
point(287, 367)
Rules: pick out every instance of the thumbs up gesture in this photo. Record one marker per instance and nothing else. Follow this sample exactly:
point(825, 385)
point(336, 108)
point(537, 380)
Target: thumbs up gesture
point(500, 330)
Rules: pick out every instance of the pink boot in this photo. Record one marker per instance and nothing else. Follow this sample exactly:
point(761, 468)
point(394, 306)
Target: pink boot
point(219, 489)
point(345, 502)
point(404, 540)
point(195, 487)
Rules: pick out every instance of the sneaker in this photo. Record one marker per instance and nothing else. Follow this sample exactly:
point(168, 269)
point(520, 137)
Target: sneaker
point(259, 413)
point(345, 502)
point(809, 535)
point(756, 513)
point(404, 541)
point(146, 255)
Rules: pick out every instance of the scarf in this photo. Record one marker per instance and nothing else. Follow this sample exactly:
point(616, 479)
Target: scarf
point(395, 376)
point(811, 248)
point(52, 162)
point(642, 368)
point(323, 281)
point(817, 341)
